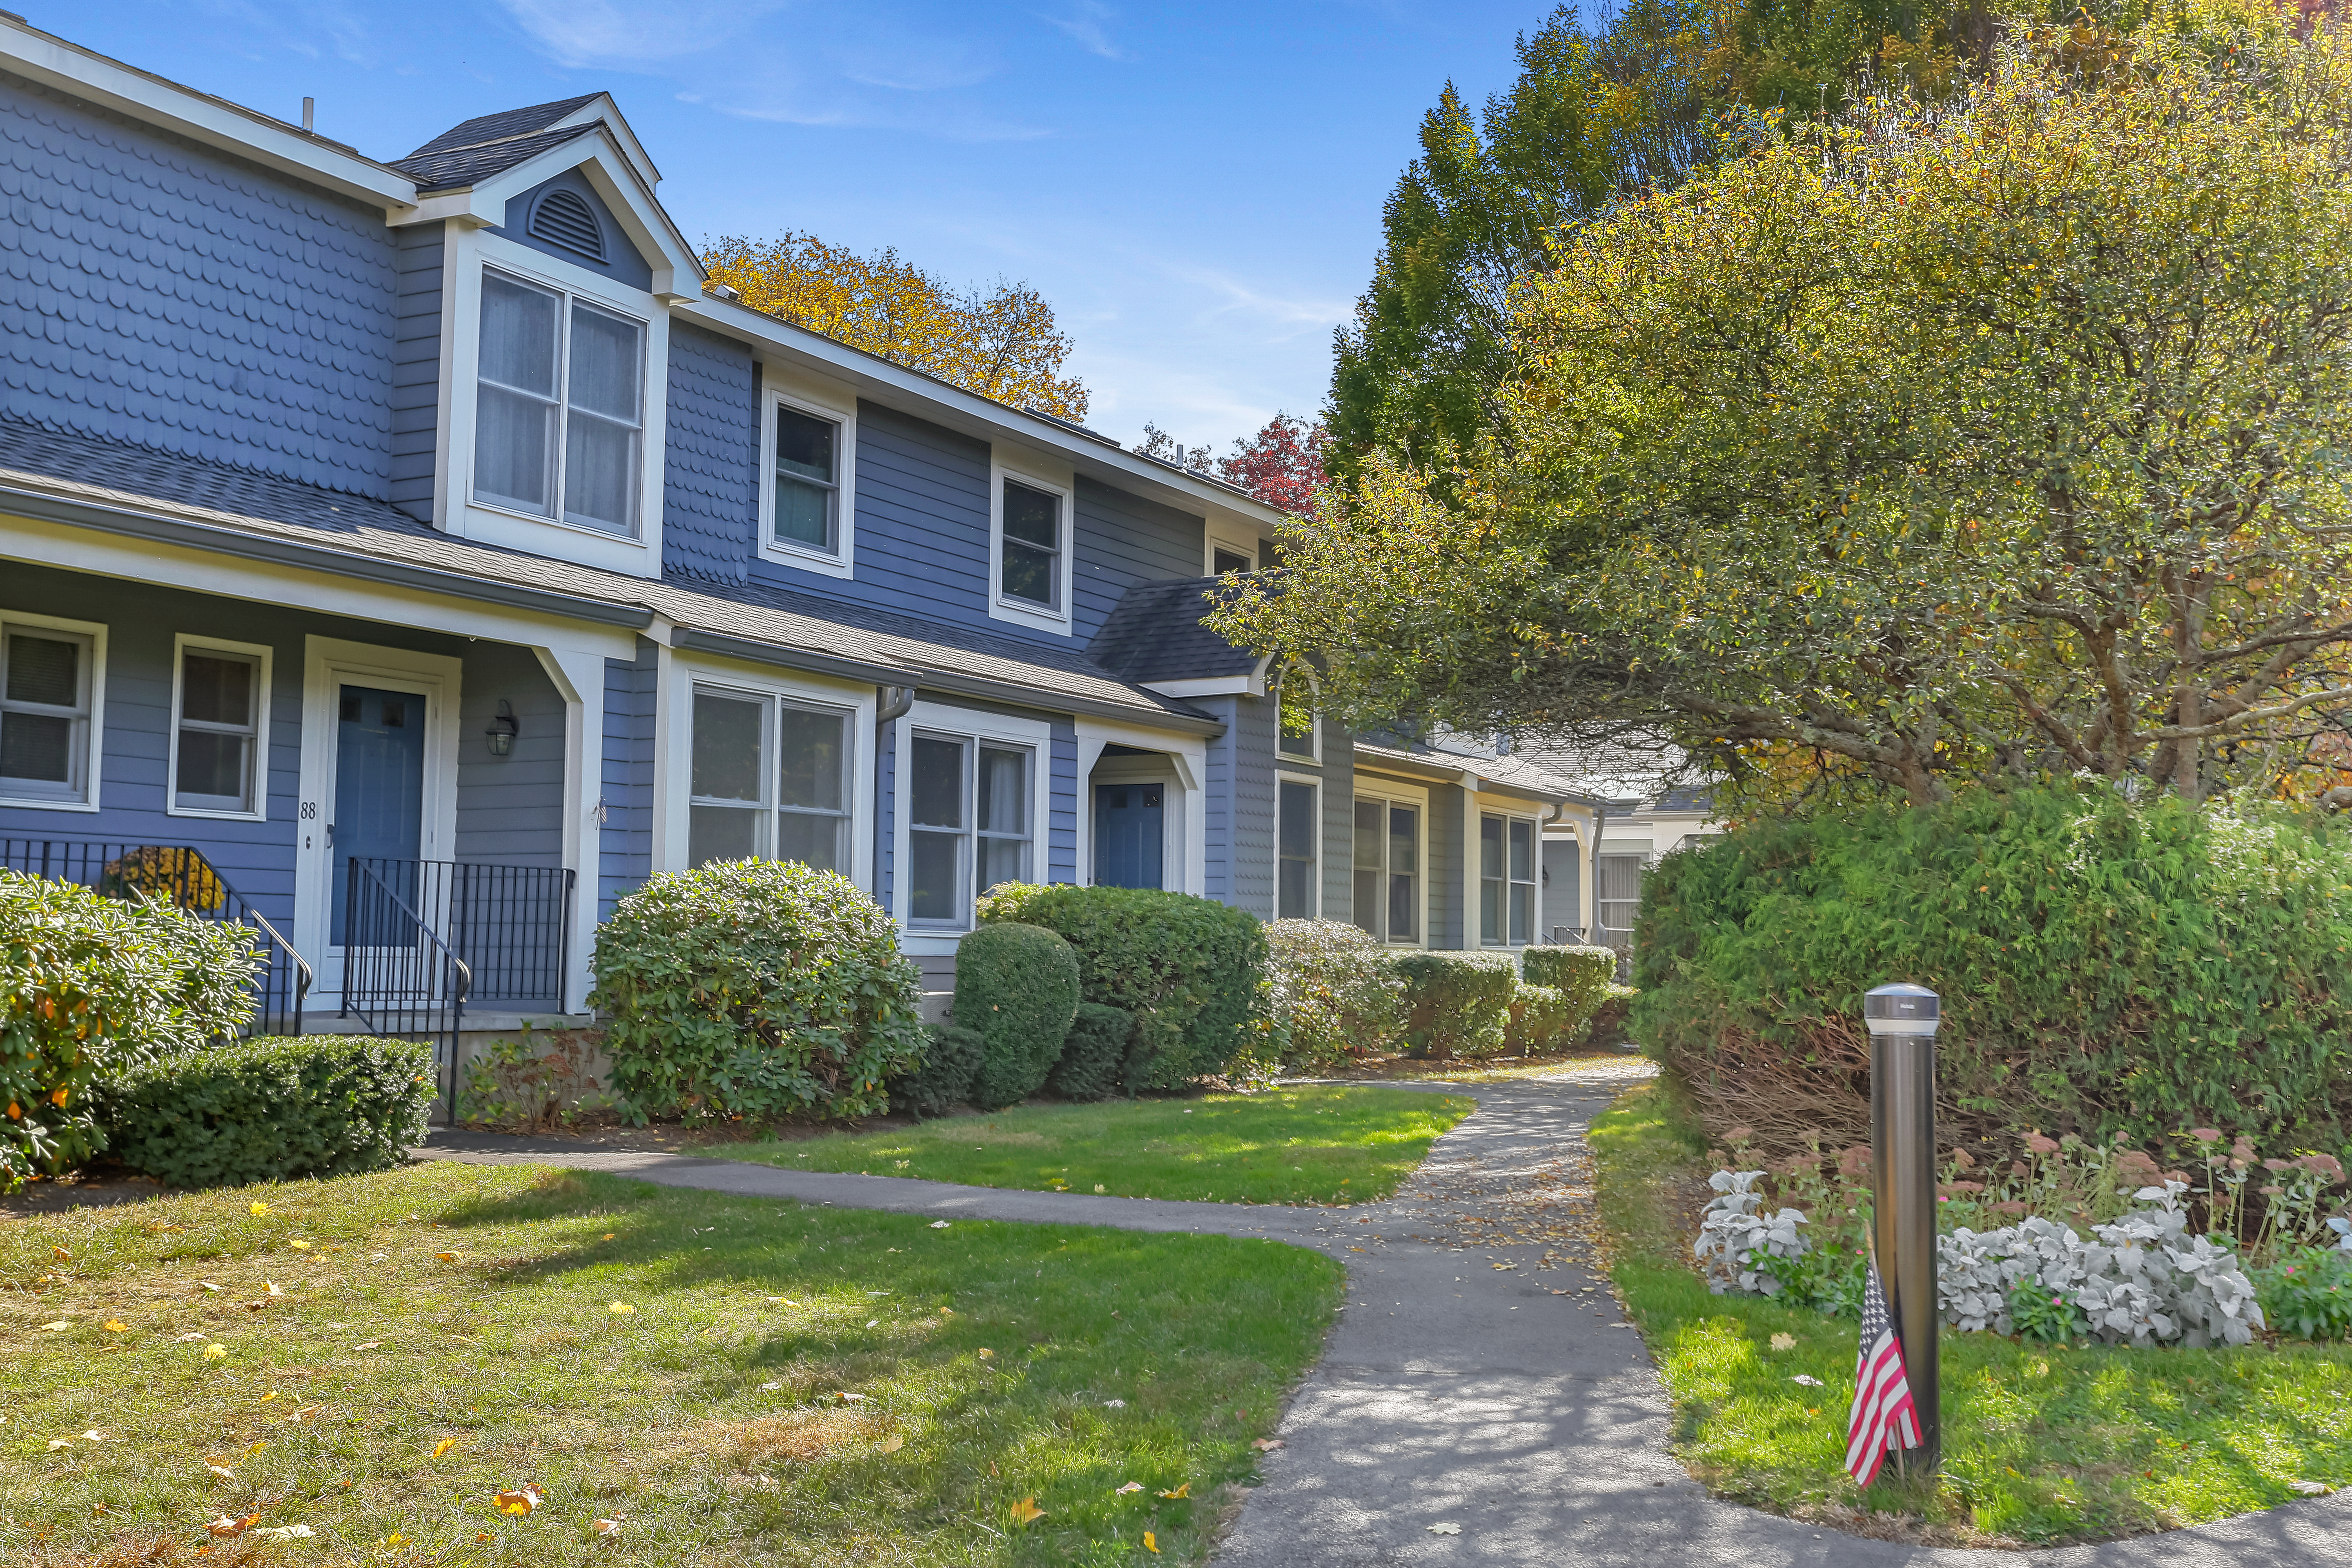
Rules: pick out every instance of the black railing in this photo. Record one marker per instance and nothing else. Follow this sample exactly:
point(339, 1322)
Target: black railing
point(179, 876)
point(422, 940)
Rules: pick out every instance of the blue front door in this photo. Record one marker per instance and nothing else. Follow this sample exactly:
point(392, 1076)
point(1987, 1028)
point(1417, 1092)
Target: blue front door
point(1128, 837)
point(379, 786)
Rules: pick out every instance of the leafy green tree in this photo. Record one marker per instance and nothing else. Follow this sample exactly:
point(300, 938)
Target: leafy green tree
point(2005, 437)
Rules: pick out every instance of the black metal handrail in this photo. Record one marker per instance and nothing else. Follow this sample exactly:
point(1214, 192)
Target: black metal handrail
point(399, 975)
point(177, 875)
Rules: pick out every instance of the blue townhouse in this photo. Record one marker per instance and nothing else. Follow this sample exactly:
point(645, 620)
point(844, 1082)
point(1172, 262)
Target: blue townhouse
point(409, 557)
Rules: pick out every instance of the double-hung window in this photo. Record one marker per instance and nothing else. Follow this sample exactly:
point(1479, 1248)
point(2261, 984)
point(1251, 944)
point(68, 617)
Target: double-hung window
point(220, 704)
point(1506, 881)
point(1388, 869)
point(968, 824)
point(49, 678)
point(1029, 548)
point(559, 411)
point(771, 781)
point(1295, 857)
point(807, 510)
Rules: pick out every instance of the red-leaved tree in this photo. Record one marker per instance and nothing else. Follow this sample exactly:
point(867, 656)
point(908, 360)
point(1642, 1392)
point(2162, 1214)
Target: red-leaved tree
point(1282, 464)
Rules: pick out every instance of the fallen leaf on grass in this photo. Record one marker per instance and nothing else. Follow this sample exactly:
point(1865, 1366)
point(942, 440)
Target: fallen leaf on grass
point(300, 1246)
point(1130, 1486)
point(269, 1288)
point(1809, 1380)
point(894, 1442)
point(117, 1326)
point(444, 1446)
point(285, 1531)
point(609, 1526)
point(259, 1209)
point(1784, 1342)
point(873, 1322)
point(1114, 1405)
point(1183, 1491)
point(302, 1413)
point(214, 1353)
point(1448, 1529)
point(57, 1443)
point(987, 1354)
point(189, 1339)
point(2311, 1489)
point(63, 1256)
point(1266, 1445)
point(60, 1324)
point(93, 1436)
point(783, 1301)
point(222, 1471)
point(519, 1503)
point(939, 1224)
point(851, 1398)
point(1151, 1544)
point(620, 1309)
point(224, 1526)
point(447, 1256)
point(267, 1397)
point(1026, 1512)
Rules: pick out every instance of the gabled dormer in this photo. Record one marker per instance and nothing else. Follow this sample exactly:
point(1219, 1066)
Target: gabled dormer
point(530, 389)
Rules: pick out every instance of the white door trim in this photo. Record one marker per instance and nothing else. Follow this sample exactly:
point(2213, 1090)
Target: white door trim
point(327, 664)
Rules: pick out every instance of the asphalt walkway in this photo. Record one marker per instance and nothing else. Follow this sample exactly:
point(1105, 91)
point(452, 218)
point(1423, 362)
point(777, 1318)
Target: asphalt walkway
point(1482, 1400)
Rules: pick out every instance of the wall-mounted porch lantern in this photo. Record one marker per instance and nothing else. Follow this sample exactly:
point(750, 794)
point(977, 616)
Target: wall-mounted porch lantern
point(500, 735)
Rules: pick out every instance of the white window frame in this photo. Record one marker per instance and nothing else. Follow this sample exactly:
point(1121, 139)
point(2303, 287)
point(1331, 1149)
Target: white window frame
point(770, 805)
point(1220, 534)
point(842, 412)
point(1390, 794)
point(1478, 878)
point(1313, 755)
point(469, 253)
point(979, 729)
point(1020, 468)
point(262, 654)
point(646, 455)
point(92, 737)
point(1314, 842)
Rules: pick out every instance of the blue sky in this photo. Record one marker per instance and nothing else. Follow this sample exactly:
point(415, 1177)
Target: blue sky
point(1197, 188)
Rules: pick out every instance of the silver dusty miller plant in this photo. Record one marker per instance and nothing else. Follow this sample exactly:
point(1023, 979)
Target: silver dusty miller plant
point(1732, 1235)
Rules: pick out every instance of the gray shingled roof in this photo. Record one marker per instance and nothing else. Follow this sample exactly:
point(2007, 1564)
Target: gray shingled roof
point(123, 475)
point(506, 124)
point(471, 165)
point(1510, 772)
point(1154, 633)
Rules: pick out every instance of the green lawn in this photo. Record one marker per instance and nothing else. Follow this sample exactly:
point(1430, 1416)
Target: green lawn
point(787, 1384)
point(1314, 1144)
point(2040, 1444)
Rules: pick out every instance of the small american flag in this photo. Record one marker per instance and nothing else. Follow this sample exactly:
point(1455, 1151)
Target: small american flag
point(1883, 1418)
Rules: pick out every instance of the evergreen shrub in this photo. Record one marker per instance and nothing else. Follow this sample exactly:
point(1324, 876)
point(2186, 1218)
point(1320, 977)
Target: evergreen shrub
point(951, 1058)
point(1191, 970)
point(2106, 968)
point(272, 1109)
point(1583, 973)
point(1456, 1004)
point(1017, 989)
point(754, 988)
point(1331, 992)
point(1542, 1018)
point(89, 988)
point(1097, 1055)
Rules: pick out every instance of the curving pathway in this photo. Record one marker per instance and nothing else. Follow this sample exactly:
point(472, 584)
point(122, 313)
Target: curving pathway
point(1480, 1376)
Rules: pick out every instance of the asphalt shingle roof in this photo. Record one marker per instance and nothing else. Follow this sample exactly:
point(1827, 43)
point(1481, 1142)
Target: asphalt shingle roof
point(1510, 772)
point(140, 479)
point(1154, 633)
point(471, 165)
point(506, 123)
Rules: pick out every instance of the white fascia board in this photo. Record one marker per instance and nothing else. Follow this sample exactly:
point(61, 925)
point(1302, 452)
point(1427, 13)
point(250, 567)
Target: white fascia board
point(926, 397)
point(602, 162)
point(1251, 685)
point(602, 106)
point(199, 116)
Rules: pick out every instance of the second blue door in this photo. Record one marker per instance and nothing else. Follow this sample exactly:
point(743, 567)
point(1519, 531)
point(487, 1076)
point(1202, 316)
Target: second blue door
point(1130, 837)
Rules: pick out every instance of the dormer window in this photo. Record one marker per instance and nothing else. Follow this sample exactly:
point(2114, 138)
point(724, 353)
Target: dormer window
point(559, 423)
point(808, 487)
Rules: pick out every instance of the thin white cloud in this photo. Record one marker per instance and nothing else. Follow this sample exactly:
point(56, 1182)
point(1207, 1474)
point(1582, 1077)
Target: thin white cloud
point(1089, 23)
point(578, 33)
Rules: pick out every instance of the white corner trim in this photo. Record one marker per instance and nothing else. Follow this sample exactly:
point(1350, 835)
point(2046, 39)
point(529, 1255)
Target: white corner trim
point(267, 657)
point(1006, 462)
point(841, 407)
point(94, 736)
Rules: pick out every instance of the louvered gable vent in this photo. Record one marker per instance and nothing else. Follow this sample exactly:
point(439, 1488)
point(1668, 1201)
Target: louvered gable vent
point(563, 218)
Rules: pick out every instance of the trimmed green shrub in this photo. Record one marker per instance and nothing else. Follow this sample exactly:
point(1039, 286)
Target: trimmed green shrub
point(1583, 973)
point(272, 1109)
point(1611, 1019)
point(1190, 970)
point(1542, 1018)
point(951, 1058)
point(1330, 993)
point(1096, 1056)
point(2106, 967)
point(1456, 1004)
point(89, 988)
point(754, 988)
point(1017, 989)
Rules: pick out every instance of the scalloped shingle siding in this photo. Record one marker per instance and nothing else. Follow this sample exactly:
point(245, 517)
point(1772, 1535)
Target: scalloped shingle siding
point(155, 292)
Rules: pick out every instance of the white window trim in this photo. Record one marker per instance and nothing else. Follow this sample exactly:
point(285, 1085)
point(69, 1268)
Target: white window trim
point(843, 561)
point(1389, 793)
point(770, 699)
point(1056, 481)
point(1315, 728)
point(1478, 876)
point(94, 730)
point(1314, 877)
point(971, 724)
point(1222, 534)
point(1187, 757)
point(676, 803)
point(264, 655)
point(458, 512)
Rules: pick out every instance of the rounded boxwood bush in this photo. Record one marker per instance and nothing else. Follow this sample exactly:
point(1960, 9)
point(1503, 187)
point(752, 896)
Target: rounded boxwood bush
point(272, 1109)
point(951, 1058)
point(1456, 1004)
point(754, 988)
point(1331, 992)
point(89, 988)
point(1584, 974)
point(1095, 1055)
point(2106, 967)
point(1190, 970)
point(1017, 989)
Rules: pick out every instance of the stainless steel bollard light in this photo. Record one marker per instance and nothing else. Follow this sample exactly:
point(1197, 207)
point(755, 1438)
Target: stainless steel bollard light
point(1902, 1020)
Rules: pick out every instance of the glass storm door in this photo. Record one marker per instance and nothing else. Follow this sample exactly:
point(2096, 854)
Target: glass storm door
point(379, 786)
point(1129, 835)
